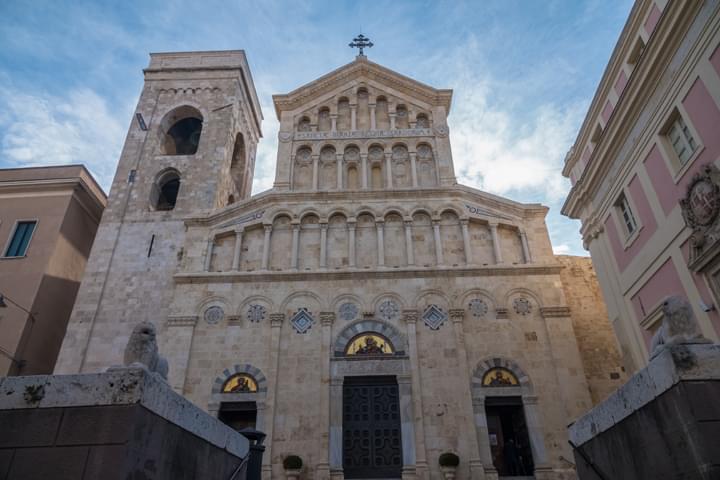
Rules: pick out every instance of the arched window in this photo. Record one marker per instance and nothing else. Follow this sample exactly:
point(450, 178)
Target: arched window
point(165, 190)
point(240, 383)
point(304, 125)
point(401, 117)
point(499, 377)
point(181, 129)
point(238, 165)
point(422, 121)
point(369, 344)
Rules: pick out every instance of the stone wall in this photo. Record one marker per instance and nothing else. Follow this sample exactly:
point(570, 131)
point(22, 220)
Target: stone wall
point(601, 358)
point(120, 425)
point(663, 424)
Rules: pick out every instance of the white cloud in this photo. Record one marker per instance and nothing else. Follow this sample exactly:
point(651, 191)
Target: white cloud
point(562, 249)
point(502, 141)
point(47, 130)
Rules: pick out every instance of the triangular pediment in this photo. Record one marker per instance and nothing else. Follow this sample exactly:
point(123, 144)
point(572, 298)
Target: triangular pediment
point(357, 71)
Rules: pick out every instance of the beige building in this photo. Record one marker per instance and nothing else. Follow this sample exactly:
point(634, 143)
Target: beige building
point(644, 169)
point(368, 313)
point(48, 220)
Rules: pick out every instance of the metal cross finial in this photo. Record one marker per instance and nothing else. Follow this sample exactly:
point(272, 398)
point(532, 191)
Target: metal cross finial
point(361, 42)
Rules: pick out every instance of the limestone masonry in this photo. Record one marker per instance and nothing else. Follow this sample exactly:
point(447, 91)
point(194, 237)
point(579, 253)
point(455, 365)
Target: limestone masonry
point(368, 313)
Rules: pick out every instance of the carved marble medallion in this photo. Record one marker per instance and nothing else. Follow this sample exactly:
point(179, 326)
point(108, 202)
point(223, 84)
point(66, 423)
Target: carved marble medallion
point(434, 316)
point(214, 315)
point(478, 308)
point(348, 311)
point(302, 320)
point(389, 310)
point(256, 312)
point(522, 306)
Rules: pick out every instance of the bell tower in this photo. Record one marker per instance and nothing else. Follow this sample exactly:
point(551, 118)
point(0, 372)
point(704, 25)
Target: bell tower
point(192, 141)
point(190, 149)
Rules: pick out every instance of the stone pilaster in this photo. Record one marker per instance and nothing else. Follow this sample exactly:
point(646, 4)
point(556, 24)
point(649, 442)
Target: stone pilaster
point(411, 317)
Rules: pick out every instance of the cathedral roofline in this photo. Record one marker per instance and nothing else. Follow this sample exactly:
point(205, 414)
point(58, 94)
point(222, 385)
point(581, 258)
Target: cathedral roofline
point(361, 65)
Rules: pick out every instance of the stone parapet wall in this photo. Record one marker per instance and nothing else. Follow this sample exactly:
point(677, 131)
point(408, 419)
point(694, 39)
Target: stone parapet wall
point(118, 425)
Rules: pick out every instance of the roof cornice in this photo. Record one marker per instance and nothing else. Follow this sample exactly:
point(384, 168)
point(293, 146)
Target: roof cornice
point(359, 67)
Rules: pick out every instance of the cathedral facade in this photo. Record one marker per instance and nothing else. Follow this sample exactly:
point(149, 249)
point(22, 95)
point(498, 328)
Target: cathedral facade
point(368, 313)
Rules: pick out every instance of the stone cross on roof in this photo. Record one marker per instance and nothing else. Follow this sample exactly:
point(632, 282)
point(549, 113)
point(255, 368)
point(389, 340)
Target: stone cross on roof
point(361, 42)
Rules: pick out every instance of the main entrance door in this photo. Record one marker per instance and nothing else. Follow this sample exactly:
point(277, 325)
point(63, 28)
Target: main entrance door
point(371, 428)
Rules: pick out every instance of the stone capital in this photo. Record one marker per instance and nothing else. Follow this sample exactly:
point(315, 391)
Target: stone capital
point(411, 315)
point(457, 314)
point(555, 312)
point(277, 319)
point(327, 318)
point(182, 321)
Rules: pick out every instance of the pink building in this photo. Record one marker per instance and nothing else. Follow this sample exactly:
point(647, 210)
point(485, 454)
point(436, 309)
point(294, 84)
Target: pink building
point(643, 169)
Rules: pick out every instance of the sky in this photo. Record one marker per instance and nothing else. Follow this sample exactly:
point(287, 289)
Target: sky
point(523, 75)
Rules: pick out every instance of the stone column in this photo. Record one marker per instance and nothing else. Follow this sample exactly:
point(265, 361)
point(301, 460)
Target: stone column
point(353, 117)
point(495, 242)
point(336, 419)
point(209, 252)
point(276, 321)
point(413, 168)
point(333, 122)
point(392, 116)
point(373, 120)
point(388, 169)
point(295, 244)
point(438, 243)
point(323, 467)
point(340, 171)
point(323, 244)
point(482, 434)
point(315, 160)
point(238, 249)
point(364, 171)
point(457, 315)
point(466, 241)
point(266, 247)
point(407, 425)
point(525, 248)
point(409, 242)
point(421, 464)
point(380, 242)
point(351, 243)
point(535, 431)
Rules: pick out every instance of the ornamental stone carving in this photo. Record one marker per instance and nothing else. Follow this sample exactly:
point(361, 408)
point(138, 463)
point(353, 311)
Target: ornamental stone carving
point(302, 321)
point(352, 154)
point(348, 311)
point(256, 313)
point(389, 310)
point(424, 152)
point(214, 315)
point(303, 155)
point(700, 209)
point(478, 308)
point(522, 306)
point(375, 154)
point(434, 317)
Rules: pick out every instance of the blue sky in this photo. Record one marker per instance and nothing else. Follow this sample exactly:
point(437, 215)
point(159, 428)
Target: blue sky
point(523, 74)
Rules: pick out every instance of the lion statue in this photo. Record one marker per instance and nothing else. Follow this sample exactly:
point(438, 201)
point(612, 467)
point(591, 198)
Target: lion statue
point(679, 326)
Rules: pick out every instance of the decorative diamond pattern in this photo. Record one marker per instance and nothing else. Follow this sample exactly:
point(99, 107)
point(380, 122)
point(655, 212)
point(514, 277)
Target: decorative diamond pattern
point(478, 308)
point(389, 310)
point(302, 320)
point(434, 316)
point(349, 311)
point(256, 313)
point(522, 306)
point(214, 315)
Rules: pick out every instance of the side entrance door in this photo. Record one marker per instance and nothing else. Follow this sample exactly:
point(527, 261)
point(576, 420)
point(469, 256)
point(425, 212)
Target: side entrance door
point(372, 445)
